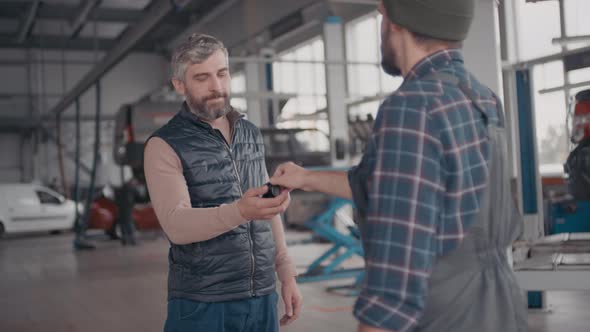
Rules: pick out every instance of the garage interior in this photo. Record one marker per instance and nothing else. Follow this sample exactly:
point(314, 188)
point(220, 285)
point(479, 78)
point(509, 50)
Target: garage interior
point(86, 82)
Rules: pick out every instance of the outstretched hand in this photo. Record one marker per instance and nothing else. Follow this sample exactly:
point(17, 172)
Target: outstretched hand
point(253, 207)
point(290, 176)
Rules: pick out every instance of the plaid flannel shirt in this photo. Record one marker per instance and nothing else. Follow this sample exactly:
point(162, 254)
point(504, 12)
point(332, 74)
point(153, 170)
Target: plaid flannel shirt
point(426, 168)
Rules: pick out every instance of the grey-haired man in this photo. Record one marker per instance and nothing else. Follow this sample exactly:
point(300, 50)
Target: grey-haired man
point(205, 172)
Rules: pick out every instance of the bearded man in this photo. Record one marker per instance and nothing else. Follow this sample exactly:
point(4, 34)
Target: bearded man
point(206, 174)
point(433, 187)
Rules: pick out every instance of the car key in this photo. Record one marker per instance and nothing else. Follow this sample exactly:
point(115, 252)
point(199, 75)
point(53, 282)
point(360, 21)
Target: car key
point(273, 191)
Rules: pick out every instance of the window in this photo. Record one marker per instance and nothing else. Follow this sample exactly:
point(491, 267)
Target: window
point(238, 87)
point(306, 80)
point(576, 21)
point(47, 198)
point(537, 24)
point(304, 138)
point(300, 71)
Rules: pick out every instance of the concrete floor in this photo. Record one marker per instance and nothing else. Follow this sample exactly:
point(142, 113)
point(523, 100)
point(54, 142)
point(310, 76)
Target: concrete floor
point(46, 286)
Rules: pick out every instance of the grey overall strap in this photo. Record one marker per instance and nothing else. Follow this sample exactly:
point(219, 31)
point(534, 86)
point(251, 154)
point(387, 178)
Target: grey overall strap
point(470, 93)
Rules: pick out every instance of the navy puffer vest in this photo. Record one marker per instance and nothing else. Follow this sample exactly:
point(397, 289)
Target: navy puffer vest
point(237, 264)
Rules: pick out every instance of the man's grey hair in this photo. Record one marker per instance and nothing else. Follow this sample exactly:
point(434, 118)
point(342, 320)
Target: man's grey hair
point(196, 49)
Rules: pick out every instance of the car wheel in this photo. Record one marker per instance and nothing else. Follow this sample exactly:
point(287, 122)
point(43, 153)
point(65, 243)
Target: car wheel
point(55, 232)
point(2, 229)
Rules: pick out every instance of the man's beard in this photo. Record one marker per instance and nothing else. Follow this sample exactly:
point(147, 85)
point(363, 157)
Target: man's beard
point(202, 111)
point(389, 58)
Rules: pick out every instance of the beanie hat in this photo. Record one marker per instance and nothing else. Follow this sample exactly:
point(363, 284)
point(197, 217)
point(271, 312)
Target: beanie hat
point(439, 19)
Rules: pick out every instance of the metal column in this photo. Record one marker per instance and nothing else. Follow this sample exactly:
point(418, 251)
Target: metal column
point(254, 85)
point(529, 173)
point(272, 107)
point(563, 33)
point(80, 242)
point(336, 91)
point(78, 226)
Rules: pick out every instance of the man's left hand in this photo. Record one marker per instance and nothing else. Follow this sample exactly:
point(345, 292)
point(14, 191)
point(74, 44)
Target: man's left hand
point(293, 301)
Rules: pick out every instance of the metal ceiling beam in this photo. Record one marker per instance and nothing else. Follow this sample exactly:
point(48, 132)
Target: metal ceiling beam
point(120, 15)
point(48, 11)
point(24, 62)
point(28, 23)
point(206, 19)
point(82, 16)
point(130, 38)
point(57, 42)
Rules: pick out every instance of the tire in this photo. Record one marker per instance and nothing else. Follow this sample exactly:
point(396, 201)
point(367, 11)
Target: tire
point(2, 229)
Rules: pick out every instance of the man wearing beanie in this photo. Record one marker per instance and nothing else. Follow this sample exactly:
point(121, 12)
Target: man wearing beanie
point(432, 190)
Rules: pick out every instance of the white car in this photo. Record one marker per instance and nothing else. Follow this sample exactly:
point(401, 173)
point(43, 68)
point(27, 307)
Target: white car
point(31, 207)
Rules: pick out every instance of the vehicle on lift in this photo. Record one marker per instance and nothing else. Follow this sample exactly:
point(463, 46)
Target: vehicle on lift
point(30, 207)
point(134, 123)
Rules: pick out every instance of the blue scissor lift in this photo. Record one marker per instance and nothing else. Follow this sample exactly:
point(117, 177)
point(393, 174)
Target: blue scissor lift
point(344, 246)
